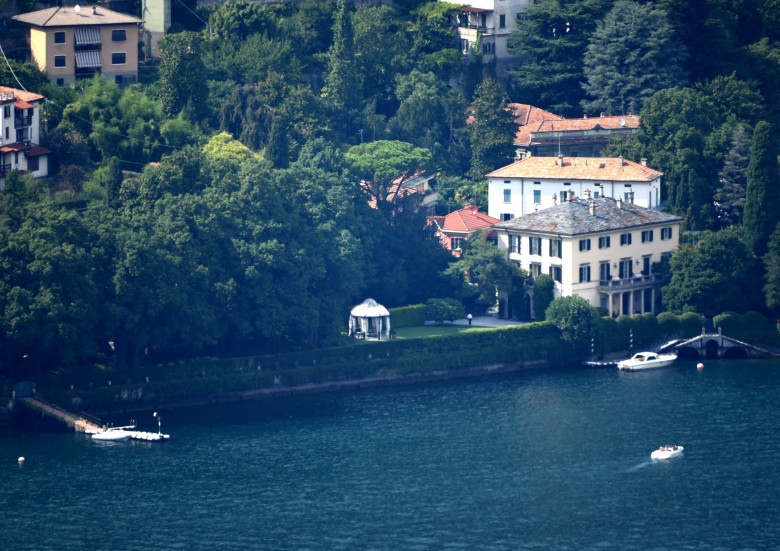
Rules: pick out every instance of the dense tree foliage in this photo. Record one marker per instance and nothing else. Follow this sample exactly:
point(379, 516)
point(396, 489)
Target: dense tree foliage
point(762, 211)
point(630, 56)
point(217, 206)
point(715, 276)
point(576, 319)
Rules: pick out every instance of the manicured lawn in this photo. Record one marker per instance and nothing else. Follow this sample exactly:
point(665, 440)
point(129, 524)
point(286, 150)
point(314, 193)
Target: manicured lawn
point(435, 331)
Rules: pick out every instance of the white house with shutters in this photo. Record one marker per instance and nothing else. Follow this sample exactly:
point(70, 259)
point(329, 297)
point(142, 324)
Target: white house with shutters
point(20, 119)
point(601, 249)
point(536, 183)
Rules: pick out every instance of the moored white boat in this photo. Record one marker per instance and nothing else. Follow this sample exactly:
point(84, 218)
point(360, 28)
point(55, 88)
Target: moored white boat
point(646, 360)
point(666, 452)
point(112, 435)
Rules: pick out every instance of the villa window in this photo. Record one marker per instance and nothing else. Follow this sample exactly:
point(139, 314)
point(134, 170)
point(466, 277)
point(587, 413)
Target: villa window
point(536, 269)
point(626, 268)
point(625, 239)
point(118, 58)
point(59, 37)
point(584, 245)
point(556, 273)
point(647, 236)
point(507, 196)
point(118, 35)
point(555, 248)
point(456, 243)
point(604, 274)
point(59, 61)
point(506, 216)
point(501, 21)
point(537, 196)
point(604, 242)
point(535, 245)
point(514, 243)
point(584, 273)
point(666, 233)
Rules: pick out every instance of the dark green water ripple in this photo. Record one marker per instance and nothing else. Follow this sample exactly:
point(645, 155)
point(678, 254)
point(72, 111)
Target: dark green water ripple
point(535, 460)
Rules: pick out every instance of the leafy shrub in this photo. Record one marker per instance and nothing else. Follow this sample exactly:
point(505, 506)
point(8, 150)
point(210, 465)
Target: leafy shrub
point(441, 309)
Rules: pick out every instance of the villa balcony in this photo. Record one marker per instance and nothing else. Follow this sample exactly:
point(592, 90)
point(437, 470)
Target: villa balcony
point(630, 283)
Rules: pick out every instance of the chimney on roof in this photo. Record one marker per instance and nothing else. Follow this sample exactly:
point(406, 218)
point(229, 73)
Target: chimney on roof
point(643, 161)
point(602, 113)
point(592, 207)
point(620, 160)
point(474, 209)
point(555, 199)
point(587, 193)
point(601, 190)
point(560, 159)
point(94, 10)
point(631, 195)
point(585, 116)
point(619, 202)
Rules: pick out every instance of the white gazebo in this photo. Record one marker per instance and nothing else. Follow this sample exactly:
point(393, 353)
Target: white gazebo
point(369, 320)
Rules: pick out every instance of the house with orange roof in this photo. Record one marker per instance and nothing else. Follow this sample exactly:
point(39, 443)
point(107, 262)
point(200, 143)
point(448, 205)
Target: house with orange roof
point(459, 225)
point(402, 187)
point(73, 42)
point(536, 183)
point(20, 134)
point(550, 136)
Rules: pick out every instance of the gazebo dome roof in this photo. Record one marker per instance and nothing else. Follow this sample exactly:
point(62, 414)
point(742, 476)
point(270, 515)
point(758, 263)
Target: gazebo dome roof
point(369, 308)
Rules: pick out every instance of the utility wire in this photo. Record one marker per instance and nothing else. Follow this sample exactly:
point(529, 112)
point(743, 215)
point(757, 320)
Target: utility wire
point(10, 69)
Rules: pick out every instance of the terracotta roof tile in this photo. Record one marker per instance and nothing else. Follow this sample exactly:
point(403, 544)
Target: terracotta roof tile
point(578, 168)
point(19, 94)
point(467, 219)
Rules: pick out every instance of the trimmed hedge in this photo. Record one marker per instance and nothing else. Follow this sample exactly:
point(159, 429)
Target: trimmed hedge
point(407, 316)
point(535, 342)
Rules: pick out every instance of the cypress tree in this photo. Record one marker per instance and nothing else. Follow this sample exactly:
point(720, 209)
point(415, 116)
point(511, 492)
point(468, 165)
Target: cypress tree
point(733, 178)
point(341, 82)
point(761, 209)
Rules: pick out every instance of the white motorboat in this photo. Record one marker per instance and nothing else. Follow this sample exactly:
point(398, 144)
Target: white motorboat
point(646, 360)
point(113, 434)
point(666, 452)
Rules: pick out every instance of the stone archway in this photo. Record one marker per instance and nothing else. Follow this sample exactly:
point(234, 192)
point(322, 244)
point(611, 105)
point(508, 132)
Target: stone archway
point(711, 349)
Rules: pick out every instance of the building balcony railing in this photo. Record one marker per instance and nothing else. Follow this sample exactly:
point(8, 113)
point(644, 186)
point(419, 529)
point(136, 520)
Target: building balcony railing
point(23, 121)
point(5, 169)
point(627, 283)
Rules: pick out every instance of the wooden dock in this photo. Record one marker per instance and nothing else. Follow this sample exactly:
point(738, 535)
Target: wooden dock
point(77, 422)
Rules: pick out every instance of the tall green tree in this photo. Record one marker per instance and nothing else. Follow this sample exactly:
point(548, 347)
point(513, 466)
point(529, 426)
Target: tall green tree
point(762, 212)
point(491, 130)
point(577, 321)
point(544, 294)
point(631, 55)
point(715, 276)
point(381, 163)
point(342, 79)
point(551, 40)
point(772, 275)
point(733, 179)
point(182, 75)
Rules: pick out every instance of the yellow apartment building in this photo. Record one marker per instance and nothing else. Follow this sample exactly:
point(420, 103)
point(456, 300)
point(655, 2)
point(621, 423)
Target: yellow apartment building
point(76, 42)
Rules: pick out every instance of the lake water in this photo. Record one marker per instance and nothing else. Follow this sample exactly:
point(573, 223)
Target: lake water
point(533, 460)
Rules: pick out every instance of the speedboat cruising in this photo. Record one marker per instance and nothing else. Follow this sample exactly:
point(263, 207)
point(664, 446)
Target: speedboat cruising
point(666, 452)
point(646, 360)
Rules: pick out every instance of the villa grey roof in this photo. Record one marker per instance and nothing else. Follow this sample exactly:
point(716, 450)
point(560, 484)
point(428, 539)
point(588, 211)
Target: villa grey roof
point(69, 16)
point(574, 218)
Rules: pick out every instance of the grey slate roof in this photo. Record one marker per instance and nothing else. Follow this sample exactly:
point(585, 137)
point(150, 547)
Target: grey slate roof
point(574, 218)
point(68, 16)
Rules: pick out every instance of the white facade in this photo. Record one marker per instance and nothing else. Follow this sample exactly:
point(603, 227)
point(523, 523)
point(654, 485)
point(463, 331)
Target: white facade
point(537, 183)
point(20, 134)
point(601, 250)
point(488, 24)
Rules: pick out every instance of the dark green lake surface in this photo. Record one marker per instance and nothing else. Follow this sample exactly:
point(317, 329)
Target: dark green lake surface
point(541, 459)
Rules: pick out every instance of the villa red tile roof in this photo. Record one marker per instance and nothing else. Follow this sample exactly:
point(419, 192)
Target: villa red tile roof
point(68, 16)
point(578, 168)
point(467, 219)
point(589, 123)
point(529, 118)
point(20, 96)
